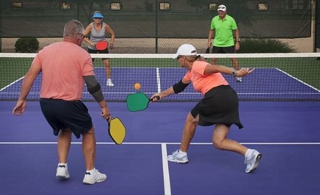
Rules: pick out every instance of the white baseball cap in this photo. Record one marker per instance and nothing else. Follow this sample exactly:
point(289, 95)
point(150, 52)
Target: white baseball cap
point(222, 8)
point(185, 50)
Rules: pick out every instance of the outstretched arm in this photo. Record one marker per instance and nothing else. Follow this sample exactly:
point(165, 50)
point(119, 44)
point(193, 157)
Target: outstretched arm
point(174, 89)
point(210, 69)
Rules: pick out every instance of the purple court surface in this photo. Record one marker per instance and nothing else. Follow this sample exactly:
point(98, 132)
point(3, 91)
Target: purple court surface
point(286, 133)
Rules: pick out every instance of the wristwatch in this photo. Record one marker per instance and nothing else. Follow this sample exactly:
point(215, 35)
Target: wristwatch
point(234, 73)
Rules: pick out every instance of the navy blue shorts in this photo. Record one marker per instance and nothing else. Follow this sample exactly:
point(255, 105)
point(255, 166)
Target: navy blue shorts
point(62, 114)
point(219, 106)
point(98, 51)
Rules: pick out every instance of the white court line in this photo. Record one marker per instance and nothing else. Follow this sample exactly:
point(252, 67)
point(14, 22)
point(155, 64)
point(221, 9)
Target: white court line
point(165, 168)
point(163, 143)
point(297, 79)
point(158, 80)
point(11, 83)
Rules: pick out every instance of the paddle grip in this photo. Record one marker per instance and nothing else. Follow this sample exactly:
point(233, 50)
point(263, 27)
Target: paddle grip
point(157, 97)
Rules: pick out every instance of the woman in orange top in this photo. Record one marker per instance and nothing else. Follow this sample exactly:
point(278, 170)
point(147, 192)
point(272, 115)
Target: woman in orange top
point(219, 106)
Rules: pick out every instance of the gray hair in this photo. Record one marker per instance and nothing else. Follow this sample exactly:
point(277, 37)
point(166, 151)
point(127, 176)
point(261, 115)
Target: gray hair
point(73, 28)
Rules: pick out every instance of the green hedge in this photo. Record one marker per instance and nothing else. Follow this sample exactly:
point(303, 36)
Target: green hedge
point(27, 45)
point(264, 46)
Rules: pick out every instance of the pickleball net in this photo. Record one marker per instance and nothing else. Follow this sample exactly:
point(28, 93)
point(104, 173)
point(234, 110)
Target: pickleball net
point(277, 77)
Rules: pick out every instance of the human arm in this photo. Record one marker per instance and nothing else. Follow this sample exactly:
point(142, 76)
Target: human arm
point(94, 89)
point(86, 33)
point(210, 69)
point(174, 89)
point(237, 39)
point(209, 43)
point(112, 35)
point(25, 89)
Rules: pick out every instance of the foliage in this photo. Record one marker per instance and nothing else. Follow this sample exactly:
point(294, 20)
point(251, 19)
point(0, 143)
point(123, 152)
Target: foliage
point(264, 46)
point(27, 45)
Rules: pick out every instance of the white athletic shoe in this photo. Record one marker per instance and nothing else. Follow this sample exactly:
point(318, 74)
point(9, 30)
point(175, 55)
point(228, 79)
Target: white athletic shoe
point(239, 79)
point(175, 157)
point(252, 161)
point(109, 83)
point(62, 172)
point(94, 177)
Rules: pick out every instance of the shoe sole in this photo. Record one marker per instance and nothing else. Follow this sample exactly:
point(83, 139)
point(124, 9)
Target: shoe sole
point(90, 183)
point(256, 164)
point(176, 161)
point(62, 177)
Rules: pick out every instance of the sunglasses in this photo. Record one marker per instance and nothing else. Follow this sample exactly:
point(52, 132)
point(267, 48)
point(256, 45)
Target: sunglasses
point(97, 18)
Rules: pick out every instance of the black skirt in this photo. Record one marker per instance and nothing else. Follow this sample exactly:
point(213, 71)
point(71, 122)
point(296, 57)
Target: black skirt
point(219, 106)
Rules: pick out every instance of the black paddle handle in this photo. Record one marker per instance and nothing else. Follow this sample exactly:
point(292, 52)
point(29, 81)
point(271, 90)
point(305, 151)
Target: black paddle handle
point(157, 97)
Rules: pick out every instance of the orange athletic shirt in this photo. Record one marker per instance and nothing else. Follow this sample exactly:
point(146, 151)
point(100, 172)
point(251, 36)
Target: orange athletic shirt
point(203, 83)
point(63, 66)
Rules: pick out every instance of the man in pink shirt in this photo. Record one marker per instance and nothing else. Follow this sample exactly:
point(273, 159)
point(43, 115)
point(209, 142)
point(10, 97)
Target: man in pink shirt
point(65, 66)
point(219, 106)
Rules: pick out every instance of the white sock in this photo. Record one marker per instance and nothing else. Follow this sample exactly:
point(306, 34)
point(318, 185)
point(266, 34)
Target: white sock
point(63, 164)
point(182, 153)
point(248, 153)
point(91, 171)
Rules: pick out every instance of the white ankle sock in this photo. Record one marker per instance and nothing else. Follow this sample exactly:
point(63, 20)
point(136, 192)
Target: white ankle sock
point(91, 171)
point(63, 164)
point(182, 153)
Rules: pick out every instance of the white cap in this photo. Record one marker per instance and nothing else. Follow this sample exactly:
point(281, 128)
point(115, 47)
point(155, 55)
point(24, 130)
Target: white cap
point(222, 8)
point(185, 50)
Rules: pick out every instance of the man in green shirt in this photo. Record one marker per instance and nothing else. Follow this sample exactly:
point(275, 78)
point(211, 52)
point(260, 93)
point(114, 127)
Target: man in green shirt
point(226, 39)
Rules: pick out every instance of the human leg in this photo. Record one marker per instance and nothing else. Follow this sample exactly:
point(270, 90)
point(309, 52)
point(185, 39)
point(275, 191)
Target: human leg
point(64, 142)
point(180, 156)
point(236, 66)
point(92, 175)
point(107, 66)
point(188, 132)
point(89, 148)
point(215, 50)
point(220, 141)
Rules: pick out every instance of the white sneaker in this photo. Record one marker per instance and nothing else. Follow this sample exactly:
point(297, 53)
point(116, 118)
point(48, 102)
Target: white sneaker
point(175, 157)
point(62, 172)
point(94, 177)
point(109, 83)
point(252, 161)
point(239, 79)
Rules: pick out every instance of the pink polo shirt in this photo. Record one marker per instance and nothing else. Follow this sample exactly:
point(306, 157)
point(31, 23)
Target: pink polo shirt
point(203, 83)
point(63, 66)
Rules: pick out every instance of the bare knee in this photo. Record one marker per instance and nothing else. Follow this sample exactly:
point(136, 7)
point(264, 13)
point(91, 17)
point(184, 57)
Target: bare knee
point(217, 143)
point(192, 120)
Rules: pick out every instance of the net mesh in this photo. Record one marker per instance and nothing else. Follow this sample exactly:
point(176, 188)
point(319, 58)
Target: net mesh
point(277, 77)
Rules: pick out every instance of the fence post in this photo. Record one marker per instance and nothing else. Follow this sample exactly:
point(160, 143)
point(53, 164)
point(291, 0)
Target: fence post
point(156, 28)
